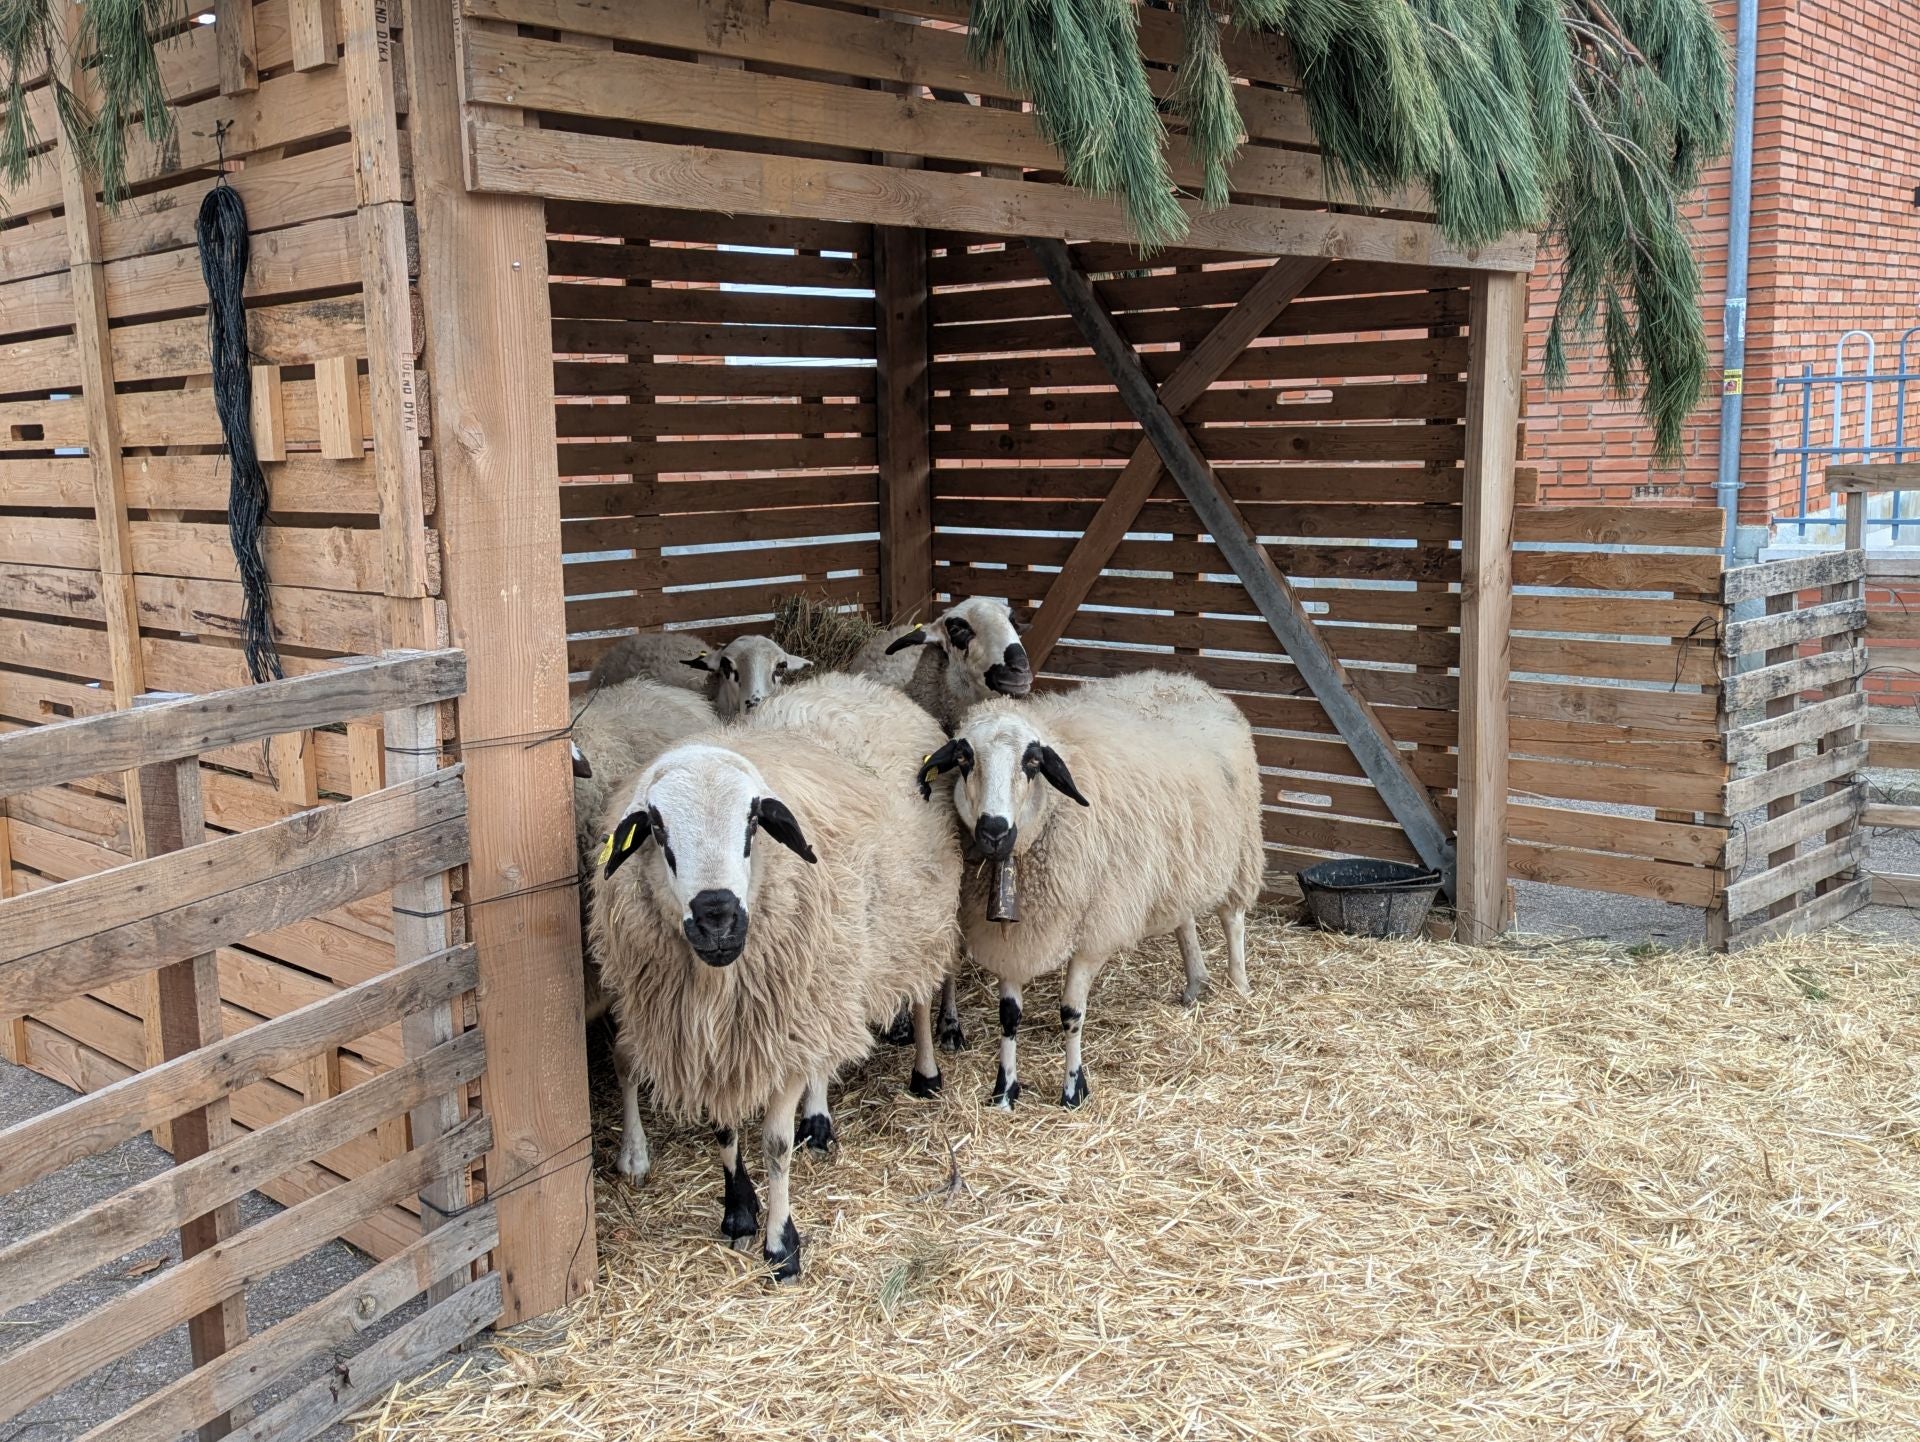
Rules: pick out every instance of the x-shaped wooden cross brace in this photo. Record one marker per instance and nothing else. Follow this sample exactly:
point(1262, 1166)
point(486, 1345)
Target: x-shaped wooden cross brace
point(1168, 444)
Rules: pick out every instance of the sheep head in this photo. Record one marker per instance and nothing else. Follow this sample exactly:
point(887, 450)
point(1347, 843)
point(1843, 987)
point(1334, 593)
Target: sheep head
point(700, 808)
point(746, 671)
point(982, 647)
point(1007, 777)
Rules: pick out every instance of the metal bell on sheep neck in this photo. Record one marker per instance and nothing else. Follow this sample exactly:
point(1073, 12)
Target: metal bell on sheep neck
point(1003, 892)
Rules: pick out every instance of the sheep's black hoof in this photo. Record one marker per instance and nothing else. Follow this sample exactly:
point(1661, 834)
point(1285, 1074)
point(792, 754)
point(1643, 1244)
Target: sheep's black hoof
point(815, 1131)
point(924, 1086)
point(1076, 1090)
point(900, 1033)
point(784, 1259)
point(740, 1222)
point(1005, 1093)
point(950, 1036)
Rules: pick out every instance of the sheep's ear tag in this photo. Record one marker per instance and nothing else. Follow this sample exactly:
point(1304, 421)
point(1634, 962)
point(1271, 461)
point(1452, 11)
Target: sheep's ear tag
point(625, 839)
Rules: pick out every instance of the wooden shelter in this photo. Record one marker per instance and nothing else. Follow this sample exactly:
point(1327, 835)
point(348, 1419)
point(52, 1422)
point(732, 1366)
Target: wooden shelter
point(555, 305)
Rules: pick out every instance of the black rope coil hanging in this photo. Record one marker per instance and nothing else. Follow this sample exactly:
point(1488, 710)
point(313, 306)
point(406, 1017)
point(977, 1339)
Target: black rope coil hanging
point(222, 233)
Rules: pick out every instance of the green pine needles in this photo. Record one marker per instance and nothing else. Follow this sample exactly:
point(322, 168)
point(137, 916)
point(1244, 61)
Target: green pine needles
point(1585, 120)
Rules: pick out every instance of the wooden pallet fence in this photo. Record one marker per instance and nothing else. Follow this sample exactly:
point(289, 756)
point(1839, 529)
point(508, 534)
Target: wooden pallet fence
point(1792, 729)
point(173, 917)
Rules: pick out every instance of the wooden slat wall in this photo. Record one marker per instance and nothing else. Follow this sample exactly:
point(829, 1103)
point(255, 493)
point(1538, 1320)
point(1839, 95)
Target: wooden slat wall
point(87, 622)
point(695, 412)
point(1339, 434)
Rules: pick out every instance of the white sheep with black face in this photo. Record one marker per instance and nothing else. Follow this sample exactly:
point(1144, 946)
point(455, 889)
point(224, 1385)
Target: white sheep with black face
point(769, 889)
point(969, 653)
point(1131, 807)
point(746, 672)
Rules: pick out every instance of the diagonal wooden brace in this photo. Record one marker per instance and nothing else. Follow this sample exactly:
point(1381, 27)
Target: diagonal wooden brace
point(1203, 365)
point(1352, 717)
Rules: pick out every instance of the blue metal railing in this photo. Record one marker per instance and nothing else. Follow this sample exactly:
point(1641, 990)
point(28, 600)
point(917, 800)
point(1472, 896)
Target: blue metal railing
point(1847, 398)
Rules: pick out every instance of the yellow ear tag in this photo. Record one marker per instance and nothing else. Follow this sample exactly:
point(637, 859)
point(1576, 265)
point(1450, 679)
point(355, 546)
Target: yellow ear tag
point(925, 759)
point(606, 849)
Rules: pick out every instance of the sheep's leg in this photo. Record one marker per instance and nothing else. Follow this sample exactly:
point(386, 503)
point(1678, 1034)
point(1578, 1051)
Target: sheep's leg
point(776, 1145)
point(1006, 1082)
point(952, 1038)
point(1073, 1015)
point(1233, 921)
point(635, 1160)
point(900, 1031)
point(740, 1221)
point(816, 1123)
point(1196, 961)
point(924, 1080)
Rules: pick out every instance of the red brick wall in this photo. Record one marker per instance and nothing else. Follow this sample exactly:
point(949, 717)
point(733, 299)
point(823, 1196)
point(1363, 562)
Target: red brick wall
point(1835, 247)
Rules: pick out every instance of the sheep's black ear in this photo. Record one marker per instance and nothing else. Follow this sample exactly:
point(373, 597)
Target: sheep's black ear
point(582, 767)
point(628, 837)
point(916, 637)
point(957, 752)
point(779, 823)
point(1055, 770)
point(959, 632)
point(699, 663)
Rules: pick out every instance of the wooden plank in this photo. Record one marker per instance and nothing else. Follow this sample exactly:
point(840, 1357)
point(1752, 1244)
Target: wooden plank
point(1559, 865)
point(1893, 889)
point(197, 1185)
point(238, 49)
point(1359, 727)
point(63, 1356)
point(1823, 911)
point(1781, 834)
point(192, 725)
point(330, 1325)
point(89, 933)
point(1874, 477)
point(375, 1368)
point(1743, 689)
point(1793, 628)
point(1802, 573)
point(1755, 893)
point(906, 464)
point(93, 1123)
point(1878, 814)
point(184, 1016)
point(1266, 297)
point(1809, 723)
point(1496, 374)
point(315, 34)
point(343, 428)
point(483, 277)
point(566, 166)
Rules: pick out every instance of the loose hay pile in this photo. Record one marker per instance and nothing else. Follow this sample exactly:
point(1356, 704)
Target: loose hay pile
point(1408, 1191)
point(827, 633)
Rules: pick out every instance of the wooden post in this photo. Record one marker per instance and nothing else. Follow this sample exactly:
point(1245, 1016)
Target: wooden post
point(1372, 747)
point(1497, 322)
point(13, 1029)
point(904, 403)
point(187, 1005)
point(483, 278)
point(233, 38)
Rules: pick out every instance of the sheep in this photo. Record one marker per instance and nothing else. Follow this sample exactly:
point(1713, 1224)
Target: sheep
point(618, 731)
point(1165, 825)
point(742, 973)
point(660, 656)
point(746, 671)
point(970, 652)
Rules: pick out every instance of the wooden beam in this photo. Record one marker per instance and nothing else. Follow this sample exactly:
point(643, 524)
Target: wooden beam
point(903, 406)
point(187, 1012)
point(1874, 476)
point(1269, 294)
point(234, 40)
point(1372, 747)
point(483, 278)
point(1496, 379)
point(315, 37)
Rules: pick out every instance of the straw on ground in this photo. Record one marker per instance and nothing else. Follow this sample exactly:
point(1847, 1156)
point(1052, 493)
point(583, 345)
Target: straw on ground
point(1409, 1190)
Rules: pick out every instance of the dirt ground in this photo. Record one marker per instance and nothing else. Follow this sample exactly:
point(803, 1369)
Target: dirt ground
point(1543, 910)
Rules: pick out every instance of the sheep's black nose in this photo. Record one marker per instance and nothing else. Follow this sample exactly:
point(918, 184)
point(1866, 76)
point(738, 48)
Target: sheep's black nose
point(1013, 675)
point(994, 836)
point(716, 927)
point(751, 702)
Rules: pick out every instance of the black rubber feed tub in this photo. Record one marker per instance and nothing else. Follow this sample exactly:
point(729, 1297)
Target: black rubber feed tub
point(1369, 898)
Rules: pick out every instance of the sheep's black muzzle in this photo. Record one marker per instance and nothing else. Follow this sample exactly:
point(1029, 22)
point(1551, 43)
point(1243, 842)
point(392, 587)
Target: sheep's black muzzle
point(716, 927)
point(993, 837)
point(1013, 674)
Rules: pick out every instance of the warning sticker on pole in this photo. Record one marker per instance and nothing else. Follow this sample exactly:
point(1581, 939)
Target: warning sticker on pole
point(1733, 383)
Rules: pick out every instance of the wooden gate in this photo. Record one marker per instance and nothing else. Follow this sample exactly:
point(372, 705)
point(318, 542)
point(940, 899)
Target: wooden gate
point(160, 922)
point(1796, 856)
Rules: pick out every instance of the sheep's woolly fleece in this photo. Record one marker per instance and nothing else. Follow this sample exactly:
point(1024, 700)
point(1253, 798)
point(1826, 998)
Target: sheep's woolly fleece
point(1409, 1190)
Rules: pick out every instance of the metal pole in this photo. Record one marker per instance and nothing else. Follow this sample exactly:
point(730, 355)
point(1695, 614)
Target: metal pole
point(1739, 230)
